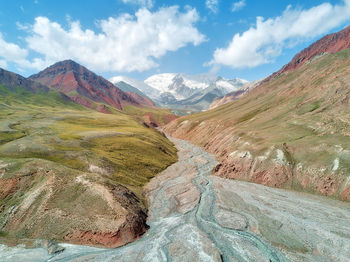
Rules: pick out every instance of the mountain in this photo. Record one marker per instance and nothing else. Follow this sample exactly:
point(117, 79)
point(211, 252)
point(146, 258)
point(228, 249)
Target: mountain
point(140, 85)
point(234, 95)
point(201, 99)
point(93, 91)
point(183, 93)
point(291, 131)
point(190, 92)
point(183, 86)
point(128, 88)
point(12, 81)
point(18, 90)
point(178, 85)
point(140, 97)
point(85, 87)
point(69, 173)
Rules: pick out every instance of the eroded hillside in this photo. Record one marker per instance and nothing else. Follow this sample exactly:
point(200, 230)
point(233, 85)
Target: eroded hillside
point(292, 131)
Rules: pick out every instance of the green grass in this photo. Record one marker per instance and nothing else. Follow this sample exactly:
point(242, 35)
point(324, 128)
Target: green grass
point(21, 99)
point(134, 152)
point(9, 136)
point(309, 107)
point(3, 234)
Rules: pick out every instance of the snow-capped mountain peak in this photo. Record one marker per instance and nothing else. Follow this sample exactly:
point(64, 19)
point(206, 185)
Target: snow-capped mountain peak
point(161, 82)
point(182, 90)
point(182, 86)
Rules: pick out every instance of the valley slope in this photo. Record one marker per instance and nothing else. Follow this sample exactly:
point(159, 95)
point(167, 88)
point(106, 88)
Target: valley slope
point(234, 95)
point(70, 173)
point(291, 131)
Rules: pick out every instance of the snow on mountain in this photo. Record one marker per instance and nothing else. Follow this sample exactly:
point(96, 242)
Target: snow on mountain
point(181, 91)
point(183, 86)
point(230, 85)
point(161, 82)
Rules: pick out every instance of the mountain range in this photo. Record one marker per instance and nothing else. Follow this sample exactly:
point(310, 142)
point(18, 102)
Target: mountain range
point(181, 92)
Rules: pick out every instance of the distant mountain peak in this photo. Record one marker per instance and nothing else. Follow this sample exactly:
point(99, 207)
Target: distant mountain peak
point(194, 92)
point(135, 93)
point(140, 85)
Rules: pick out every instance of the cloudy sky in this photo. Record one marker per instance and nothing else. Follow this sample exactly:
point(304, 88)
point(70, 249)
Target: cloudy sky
point(241, 38)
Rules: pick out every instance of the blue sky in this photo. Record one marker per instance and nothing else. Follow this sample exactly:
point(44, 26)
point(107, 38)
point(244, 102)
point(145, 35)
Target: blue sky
point(138, 38)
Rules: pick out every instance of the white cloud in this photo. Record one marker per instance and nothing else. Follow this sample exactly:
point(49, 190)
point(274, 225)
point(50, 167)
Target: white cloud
point(236, 6)
point(264, 42)
point(145, 3)
point(126, 43)
point(11, 52)
point(213, 5)
point(3, 64)
point(21, 26)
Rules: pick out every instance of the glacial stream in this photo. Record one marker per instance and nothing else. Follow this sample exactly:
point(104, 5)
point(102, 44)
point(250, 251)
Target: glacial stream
point(194, 216)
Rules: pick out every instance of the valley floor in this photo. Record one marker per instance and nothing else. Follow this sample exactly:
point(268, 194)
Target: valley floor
point(197, 217)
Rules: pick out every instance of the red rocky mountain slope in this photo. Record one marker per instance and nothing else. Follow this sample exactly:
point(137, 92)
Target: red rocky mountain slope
point(87, 88)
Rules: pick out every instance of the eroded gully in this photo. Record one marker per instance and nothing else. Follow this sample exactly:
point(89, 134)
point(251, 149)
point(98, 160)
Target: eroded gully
point(197, 217)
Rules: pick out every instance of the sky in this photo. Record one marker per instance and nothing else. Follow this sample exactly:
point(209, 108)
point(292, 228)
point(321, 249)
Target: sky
point(248, 39)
